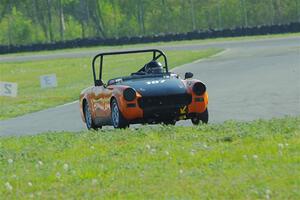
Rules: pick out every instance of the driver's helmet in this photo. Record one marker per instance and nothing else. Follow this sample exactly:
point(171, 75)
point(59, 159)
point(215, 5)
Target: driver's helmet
point(154, 67)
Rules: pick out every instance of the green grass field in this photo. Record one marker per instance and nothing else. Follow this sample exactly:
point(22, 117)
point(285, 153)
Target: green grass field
point(253, 160)
point(73, 75)
point(233, 160)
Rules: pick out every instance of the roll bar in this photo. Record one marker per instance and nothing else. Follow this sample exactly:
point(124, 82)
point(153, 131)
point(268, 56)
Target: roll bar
point(156, 55)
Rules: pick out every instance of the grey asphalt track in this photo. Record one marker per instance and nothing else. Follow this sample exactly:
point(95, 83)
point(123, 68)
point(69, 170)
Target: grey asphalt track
point(256, 79)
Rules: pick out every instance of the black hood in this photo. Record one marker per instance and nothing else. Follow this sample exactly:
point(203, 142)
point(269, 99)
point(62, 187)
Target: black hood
point(158, 86)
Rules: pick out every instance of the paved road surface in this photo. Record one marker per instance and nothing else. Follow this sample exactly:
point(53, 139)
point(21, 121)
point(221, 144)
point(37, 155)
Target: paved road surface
point(250, 80)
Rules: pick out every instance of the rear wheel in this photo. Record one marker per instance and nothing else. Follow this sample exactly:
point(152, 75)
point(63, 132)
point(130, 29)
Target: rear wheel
point(117, 119)
point(203, 117)
point(88, 118)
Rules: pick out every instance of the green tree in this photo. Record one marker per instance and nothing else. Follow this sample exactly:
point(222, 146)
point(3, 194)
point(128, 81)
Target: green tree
point(15, 29)
point(36, 21)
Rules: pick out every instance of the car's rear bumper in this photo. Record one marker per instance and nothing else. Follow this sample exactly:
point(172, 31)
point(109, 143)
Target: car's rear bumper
point(156, 110)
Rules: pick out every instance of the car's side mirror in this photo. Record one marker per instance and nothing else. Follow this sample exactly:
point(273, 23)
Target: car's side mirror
point(188, 75)
point(98, 83)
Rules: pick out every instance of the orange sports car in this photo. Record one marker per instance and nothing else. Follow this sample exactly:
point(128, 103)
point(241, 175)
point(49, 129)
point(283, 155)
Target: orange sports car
point(149, 96)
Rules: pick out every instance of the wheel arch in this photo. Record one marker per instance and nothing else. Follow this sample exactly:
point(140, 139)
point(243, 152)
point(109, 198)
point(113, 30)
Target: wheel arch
point(111, 99)
point(120, 102)
point(84, 102)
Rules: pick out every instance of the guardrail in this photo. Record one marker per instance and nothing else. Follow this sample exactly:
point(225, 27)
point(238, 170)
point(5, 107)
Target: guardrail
point(88, 42)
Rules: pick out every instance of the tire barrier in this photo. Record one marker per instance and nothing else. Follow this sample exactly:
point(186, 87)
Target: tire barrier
point(88, 42)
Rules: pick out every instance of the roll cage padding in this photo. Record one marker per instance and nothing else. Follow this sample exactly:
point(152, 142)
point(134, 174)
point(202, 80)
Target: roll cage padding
point(156, 55)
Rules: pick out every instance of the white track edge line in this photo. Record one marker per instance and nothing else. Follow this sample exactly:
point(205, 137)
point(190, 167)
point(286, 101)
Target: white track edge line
point(202, 59)
point(66, 104)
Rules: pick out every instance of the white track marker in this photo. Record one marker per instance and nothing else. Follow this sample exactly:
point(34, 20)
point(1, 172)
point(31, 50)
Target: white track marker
point(8, 89)
point(48, 81)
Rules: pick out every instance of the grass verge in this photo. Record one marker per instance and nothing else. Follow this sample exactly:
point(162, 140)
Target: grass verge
point(255, 160)
point(73, 75)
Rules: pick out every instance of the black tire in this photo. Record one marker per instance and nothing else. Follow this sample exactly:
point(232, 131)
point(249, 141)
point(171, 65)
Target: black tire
point(169, 122)
point(88, 117)
point(203, 117)
point(117, 119)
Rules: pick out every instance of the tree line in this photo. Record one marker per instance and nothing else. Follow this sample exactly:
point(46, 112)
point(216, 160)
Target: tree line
point(47, 21)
